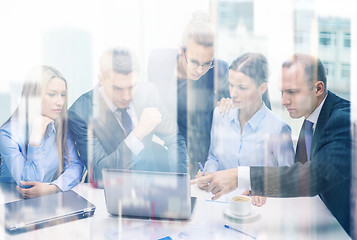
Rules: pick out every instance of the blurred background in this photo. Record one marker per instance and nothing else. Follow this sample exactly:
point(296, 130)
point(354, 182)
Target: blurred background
point(71, 35)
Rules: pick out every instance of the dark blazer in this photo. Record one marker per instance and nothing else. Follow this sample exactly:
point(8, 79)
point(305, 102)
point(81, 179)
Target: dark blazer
point(100, 139)
point(328, 174)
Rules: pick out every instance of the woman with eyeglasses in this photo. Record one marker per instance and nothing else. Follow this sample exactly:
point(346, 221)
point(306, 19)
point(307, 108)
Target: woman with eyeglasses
point(36, 147)
point(250, 134)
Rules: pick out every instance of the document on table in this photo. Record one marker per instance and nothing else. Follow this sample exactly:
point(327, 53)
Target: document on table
point(139, 230)
point(209, 231)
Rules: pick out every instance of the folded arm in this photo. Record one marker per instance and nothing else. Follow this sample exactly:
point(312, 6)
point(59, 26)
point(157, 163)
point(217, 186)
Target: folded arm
point(21, 167)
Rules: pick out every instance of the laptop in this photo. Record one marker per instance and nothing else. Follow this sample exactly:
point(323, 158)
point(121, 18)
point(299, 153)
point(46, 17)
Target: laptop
point(143, 194)
point(34, 213)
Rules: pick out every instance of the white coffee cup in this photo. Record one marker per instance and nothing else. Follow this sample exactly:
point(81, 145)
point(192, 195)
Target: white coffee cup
point(241, 205)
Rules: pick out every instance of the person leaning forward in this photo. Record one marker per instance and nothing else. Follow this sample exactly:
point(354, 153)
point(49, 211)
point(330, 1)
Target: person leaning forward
point(323, 159)
point(114, 124)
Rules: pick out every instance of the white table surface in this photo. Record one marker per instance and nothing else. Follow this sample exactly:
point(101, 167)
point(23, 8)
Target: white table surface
point(293, 218)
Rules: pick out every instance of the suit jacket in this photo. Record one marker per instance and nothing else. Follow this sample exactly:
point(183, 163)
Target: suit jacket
point(100, 139)
point(328, 174)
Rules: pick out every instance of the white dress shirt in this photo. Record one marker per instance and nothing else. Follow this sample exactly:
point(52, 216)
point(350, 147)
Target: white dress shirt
point(133, 143)
point(244, 172)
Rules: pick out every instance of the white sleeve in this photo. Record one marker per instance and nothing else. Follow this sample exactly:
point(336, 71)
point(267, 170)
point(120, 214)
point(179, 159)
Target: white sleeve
point(244, 177)
point(134, 144)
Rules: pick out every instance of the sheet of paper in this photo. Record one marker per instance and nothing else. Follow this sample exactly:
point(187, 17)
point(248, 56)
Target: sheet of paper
point(206, 230)
point(147, 230)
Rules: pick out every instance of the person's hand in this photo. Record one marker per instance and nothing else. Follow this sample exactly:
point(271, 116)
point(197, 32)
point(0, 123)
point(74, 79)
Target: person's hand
point(37, 189)
point(39, 126)
point(225, 105)
point(149, 119)
point(256, 200)
point(199, 174)
point(219, 183)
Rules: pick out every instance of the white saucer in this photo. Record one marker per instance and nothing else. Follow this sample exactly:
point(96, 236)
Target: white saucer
point(250, 217)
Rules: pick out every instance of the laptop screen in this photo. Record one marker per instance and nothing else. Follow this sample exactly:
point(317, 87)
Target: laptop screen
point(33, 211)
point(147, 194)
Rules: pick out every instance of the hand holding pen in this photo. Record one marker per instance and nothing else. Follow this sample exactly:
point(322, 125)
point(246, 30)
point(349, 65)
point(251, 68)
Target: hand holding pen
point(201, 168)
point(202, 173)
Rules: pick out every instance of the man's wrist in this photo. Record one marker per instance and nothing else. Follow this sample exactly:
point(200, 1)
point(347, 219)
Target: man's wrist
point(134, 144)
point(138, 134)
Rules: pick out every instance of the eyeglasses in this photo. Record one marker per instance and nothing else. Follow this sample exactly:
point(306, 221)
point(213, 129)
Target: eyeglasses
point(196, 64)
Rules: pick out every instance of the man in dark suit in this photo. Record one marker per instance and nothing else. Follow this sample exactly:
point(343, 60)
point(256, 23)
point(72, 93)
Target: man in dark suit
point(323, 159)
point(123, 124)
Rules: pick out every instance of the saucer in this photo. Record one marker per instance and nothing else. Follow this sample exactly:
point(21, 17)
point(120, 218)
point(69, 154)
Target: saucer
point(248, 218)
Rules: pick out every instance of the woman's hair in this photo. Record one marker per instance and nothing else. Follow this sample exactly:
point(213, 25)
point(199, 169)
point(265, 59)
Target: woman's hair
point(255, 66)
point(30, 106)
point(200, 30)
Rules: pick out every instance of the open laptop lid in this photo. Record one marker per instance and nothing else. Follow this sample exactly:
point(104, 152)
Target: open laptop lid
point(147, 194)
point(29, 214)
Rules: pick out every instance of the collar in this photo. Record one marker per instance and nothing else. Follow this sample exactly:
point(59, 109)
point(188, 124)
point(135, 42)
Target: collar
point(233, 115)
point(16, 126)
point(315, 114)
point(50, 128)
point(110, 104)
point(254, 121)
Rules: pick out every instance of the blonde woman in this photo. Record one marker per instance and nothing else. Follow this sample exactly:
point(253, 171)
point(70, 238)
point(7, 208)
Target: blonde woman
point(36, 147)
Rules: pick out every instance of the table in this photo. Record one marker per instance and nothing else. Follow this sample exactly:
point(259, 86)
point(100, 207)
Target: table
point(293, 218)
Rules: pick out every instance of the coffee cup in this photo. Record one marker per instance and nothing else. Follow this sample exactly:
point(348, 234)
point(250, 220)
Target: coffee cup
point(240, 205)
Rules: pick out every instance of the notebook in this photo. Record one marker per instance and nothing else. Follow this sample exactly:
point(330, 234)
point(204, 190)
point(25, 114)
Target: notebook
point(142, 194)
point(34, 213)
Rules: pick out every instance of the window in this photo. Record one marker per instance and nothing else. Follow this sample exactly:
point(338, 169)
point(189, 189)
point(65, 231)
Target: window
point(301, 37)
point(347, 40)
point(330, 69)
point(345, 72)
point(327, 39)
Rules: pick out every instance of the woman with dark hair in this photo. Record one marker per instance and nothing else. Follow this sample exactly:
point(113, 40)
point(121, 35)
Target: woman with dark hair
point(36, 147)
point(250, 134)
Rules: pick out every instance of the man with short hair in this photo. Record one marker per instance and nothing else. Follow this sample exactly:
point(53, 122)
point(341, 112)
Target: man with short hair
point(323, 156)
point(123, 124)
point(190, 82)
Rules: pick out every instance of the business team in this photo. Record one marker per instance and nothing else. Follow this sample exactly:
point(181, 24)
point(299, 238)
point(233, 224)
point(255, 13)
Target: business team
point(123, 123)
point(323, 155)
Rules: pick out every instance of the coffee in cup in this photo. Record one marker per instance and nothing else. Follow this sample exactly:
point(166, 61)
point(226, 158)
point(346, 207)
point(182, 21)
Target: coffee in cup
point(240, 199)
point(241, 205)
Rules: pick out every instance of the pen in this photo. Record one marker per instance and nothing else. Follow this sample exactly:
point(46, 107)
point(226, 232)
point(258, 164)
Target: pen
point(229, 227)
point(201, 168)
point(165, 238)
